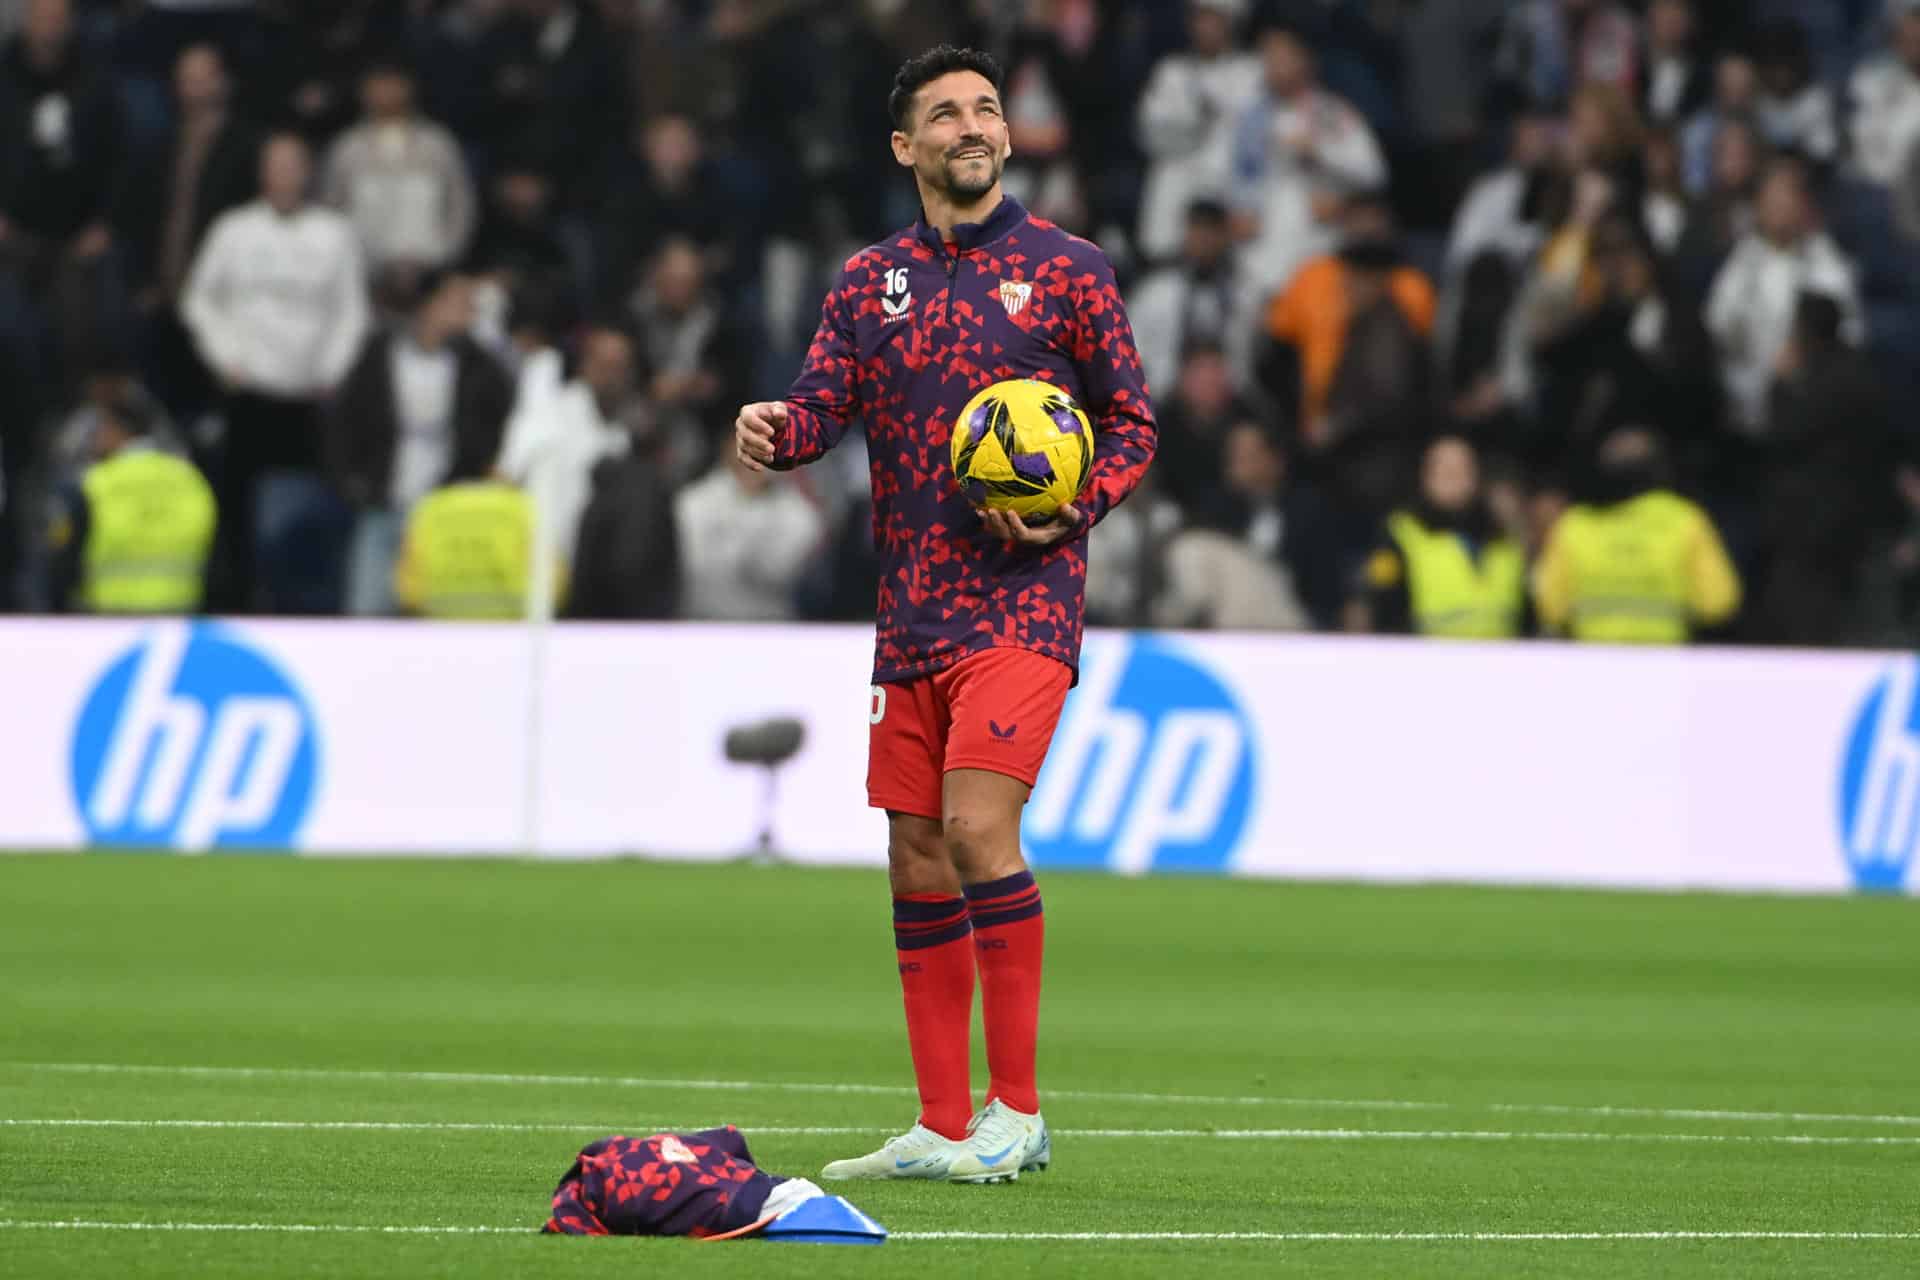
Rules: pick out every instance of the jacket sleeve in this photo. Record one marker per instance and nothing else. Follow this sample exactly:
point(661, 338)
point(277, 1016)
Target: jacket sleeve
point(1713, 584)
point(208, 295)
point(352, 317)
point(1124, 432)
point(824, 399)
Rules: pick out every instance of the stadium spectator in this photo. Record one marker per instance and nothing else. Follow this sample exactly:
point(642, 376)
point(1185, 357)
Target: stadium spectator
point(1724, 215)
point(1234, 569)
point(1502, 209)
point(422, 407)
point(521, 246)
point(1550, 48)
point(468, 552)
point(1351, 332)
point(662, 187)
point(1195, 410)
point(561, 430)
point(314, 56)
point(277, 306)
point(555, 86)
point(1299, 153)
point(1795, 111)
point(1665, 207)
point(132, 536)
point(688, 348)
point(745, 537)
point(626, 558)
point(1187, 118)
point(1885, 94)
point(208, 163)
point(1445, 568)
point(1676, 81)
point(1825, 491)
point(1736, 96)
point(1198, 301)
point(1750, 311)
point(400, 178)
point(1638, 564)
point(62, 145)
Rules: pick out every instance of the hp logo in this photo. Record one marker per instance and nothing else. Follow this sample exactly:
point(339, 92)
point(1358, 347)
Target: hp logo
point(192, 740)
point(1880, 783)
point(1152, 768)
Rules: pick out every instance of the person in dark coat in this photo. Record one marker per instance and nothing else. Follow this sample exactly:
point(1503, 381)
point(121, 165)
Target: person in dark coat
point(423, 406)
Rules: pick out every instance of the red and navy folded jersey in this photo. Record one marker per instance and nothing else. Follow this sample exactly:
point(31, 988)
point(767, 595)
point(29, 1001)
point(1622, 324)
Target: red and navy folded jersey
point(686, 1184)
point(912, 329)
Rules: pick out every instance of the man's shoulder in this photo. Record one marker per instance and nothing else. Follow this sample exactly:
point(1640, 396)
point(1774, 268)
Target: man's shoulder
point(895, 249)
point(1062, 247)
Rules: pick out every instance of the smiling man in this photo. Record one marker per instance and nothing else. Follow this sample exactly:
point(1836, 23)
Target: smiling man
point(980, 614)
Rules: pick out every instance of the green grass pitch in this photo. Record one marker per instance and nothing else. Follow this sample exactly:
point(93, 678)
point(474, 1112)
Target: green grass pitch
point(1698, 1086)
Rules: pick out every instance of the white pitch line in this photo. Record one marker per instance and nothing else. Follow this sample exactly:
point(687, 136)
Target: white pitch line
point(1081, 1095)
point(1290, 1237)
point(1231, 1135)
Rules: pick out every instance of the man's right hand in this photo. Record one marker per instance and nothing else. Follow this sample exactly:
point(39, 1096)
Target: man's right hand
point(754, 431)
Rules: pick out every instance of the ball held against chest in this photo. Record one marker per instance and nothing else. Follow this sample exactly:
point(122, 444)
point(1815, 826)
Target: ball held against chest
point(1023, 446)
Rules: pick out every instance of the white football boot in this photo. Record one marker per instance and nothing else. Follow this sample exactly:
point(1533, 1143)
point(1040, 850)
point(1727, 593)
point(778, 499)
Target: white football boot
point(917, 1153)
point(1003, 1144)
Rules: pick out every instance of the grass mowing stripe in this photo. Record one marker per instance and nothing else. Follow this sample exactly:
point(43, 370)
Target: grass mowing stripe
point(1277, 1135)
point(1294, 1237)
point(1078, 1095)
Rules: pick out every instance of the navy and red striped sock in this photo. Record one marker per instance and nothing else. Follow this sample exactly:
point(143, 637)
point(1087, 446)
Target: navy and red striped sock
point(933, 940)
point(1009, 934)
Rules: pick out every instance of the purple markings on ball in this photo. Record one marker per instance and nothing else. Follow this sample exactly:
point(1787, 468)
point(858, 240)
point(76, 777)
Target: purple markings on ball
point(1037, 467)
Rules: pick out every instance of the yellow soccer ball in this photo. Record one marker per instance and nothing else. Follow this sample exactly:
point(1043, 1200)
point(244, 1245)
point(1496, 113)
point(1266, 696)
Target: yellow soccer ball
point(1023, 446)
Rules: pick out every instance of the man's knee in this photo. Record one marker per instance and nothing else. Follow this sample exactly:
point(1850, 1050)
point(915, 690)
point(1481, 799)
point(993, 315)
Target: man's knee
point(983, 844)
point(917, 860)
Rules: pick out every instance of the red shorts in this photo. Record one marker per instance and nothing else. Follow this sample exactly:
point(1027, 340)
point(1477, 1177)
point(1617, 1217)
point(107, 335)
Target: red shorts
point(994, 710)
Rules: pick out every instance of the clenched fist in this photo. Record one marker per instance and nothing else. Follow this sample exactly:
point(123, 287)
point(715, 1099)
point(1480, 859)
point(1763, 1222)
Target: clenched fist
point(754, 431)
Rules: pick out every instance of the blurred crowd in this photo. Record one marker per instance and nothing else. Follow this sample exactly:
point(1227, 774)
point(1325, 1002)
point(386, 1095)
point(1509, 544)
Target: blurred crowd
point(1462, 317)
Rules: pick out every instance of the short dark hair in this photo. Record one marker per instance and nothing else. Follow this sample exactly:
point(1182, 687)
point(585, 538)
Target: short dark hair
point(923, 68)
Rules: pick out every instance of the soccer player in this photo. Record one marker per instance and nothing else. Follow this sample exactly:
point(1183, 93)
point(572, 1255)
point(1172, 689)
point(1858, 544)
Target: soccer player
point(980, 612)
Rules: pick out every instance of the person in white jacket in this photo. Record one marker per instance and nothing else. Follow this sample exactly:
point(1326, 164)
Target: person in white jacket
point(1186, 121)
point(1751, 307)
point(1298, 152)
point(1885, 96)
point(745, 537)
point(401, 178)
point(276, 302)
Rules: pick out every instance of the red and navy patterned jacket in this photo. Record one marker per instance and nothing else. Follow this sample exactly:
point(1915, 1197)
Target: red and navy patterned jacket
point(687, 1184)
point(912, 329)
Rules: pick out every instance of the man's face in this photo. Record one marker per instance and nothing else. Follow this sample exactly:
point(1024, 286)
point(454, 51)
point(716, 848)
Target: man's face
point(1210, 30)
point(1289, 69)
point(1736, 82)
point(1252, 464)
point(449, 312)
point(1206, 384)
point(672, 149)
point(678, 276)
point(956, 138)
point(1670, 23)
point(1781, 210)
point(387, 95)
point(199, 82)
point(47, 23)
point(1207, 240)
point(1450, 476)
point(284, 171)
point(523, 196)
point(606, 366)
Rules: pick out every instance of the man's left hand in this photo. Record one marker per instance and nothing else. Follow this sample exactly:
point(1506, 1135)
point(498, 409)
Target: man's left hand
point(1009, 527)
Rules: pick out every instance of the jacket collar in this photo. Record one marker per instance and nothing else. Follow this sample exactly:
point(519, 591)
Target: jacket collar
point(1006, 215)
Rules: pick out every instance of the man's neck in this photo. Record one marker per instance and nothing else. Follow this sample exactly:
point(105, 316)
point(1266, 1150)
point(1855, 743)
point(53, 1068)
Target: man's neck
point(943, 215)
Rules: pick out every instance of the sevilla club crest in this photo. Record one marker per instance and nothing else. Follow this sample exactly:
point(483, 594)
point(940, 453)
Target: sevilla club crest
point(1014, 295)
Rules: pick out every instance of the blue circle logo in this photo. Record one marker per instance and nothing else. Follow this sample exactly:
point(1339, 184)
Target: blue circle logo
point(1879, 797)
point(193, 740)
point(1152, 768)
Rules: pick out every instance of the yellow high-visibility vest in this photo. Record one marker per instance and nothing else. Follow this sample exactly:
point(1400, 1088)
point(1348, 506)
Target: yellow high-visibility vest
point(150, 522)
point(1645, 571)
point(467, 552)
point(1453, 594)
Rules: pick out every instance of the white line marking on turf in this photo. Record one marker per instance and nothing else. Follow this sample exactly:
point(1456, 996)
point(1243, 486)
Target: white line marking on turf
point(1295, 1237)
point(1082, 1095)
point(1270, 1135)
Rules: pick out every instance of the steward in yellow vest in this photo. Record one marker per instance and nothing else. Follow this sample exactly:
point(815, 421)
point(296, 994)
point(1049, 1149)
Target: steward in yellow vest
point(467, 552)
point(1445, 568)
point(1643, 566)
point(133, 537)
